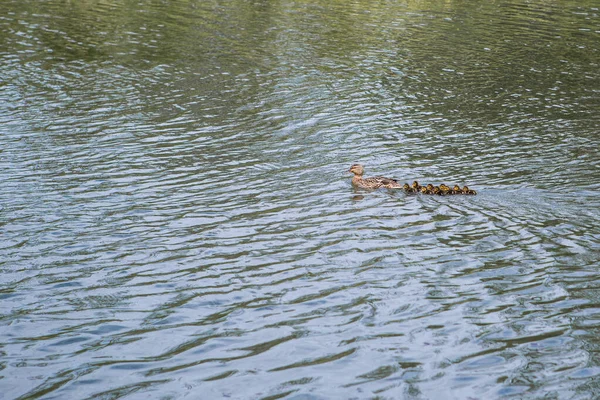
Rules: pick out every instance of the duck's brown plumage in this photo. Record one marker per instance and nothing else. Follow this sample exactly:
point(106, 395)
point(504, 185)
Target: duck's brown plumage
point(374, 182)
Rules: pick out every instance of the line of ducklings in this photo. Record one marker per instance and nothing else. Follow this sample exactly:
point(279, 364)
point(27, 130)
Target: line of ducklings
point(441, 190)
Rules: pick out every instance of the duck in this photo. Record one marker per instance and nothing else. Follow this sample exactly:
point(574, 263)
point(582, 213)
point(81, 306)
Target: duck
point(456, 190)
point(424, 190)
point(466, 190)
point(415, 185)
point(375, 182)
point(444, 190)
point(408, 189)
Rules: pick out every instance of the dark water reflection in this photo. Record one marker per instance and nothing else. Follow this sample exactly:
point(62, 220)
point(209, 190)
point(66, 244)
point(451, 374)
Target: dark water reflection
point(175, 216)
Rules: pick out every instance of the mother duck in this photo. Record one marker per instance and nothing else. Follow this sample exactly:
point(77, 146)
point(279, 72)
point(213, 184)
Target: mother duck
point(374, 182)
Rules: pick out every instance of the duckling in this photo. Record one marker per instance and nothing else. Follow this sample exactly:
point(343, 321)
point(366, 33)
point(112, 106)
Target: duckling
point(466, 190)
point(415, 185)
point(375, 182)
point(408, 189)
point(424, 190)
point(437, 191)
point(456, 190)
point(445, 189)
point(430, 187)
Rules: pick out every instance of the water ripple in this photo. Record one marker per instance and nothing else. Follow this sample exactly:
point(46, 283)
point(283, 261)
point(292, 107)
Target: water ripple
point(177, 218)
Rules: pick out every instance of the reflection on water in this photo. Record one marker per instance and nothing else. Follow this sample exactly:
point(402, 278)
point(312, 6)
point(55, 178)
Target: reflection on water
point(176, 217)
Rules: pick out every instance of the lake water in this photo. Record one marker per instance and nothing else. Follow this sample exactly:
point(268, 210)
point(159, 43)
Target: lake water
point(177, 219)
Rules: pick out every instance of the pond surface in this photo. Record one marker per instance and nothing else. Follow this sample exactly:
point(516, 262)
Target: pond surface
point(177, 220)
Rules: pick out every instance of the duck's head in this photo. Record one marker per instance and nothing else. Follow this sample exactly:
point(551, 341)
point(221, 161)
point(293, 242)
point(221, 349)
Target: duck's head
point(357, 169)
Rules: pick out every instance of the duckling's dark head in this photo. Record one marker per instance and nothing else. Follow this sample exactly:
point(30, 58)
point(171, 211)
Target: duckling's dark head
point(357, 169)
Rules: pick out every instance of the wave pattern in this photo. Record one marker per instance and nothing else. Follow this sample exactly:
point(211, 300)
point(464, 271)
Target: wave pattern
point(176, 218)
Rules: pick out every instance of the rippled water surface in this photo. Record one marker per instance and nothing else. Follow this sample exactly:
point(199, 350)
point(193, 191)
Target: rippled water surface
point(176, 219)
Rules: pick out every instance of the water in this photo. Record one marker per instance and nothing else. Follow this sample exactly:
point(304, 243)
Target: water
point(176, 218)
